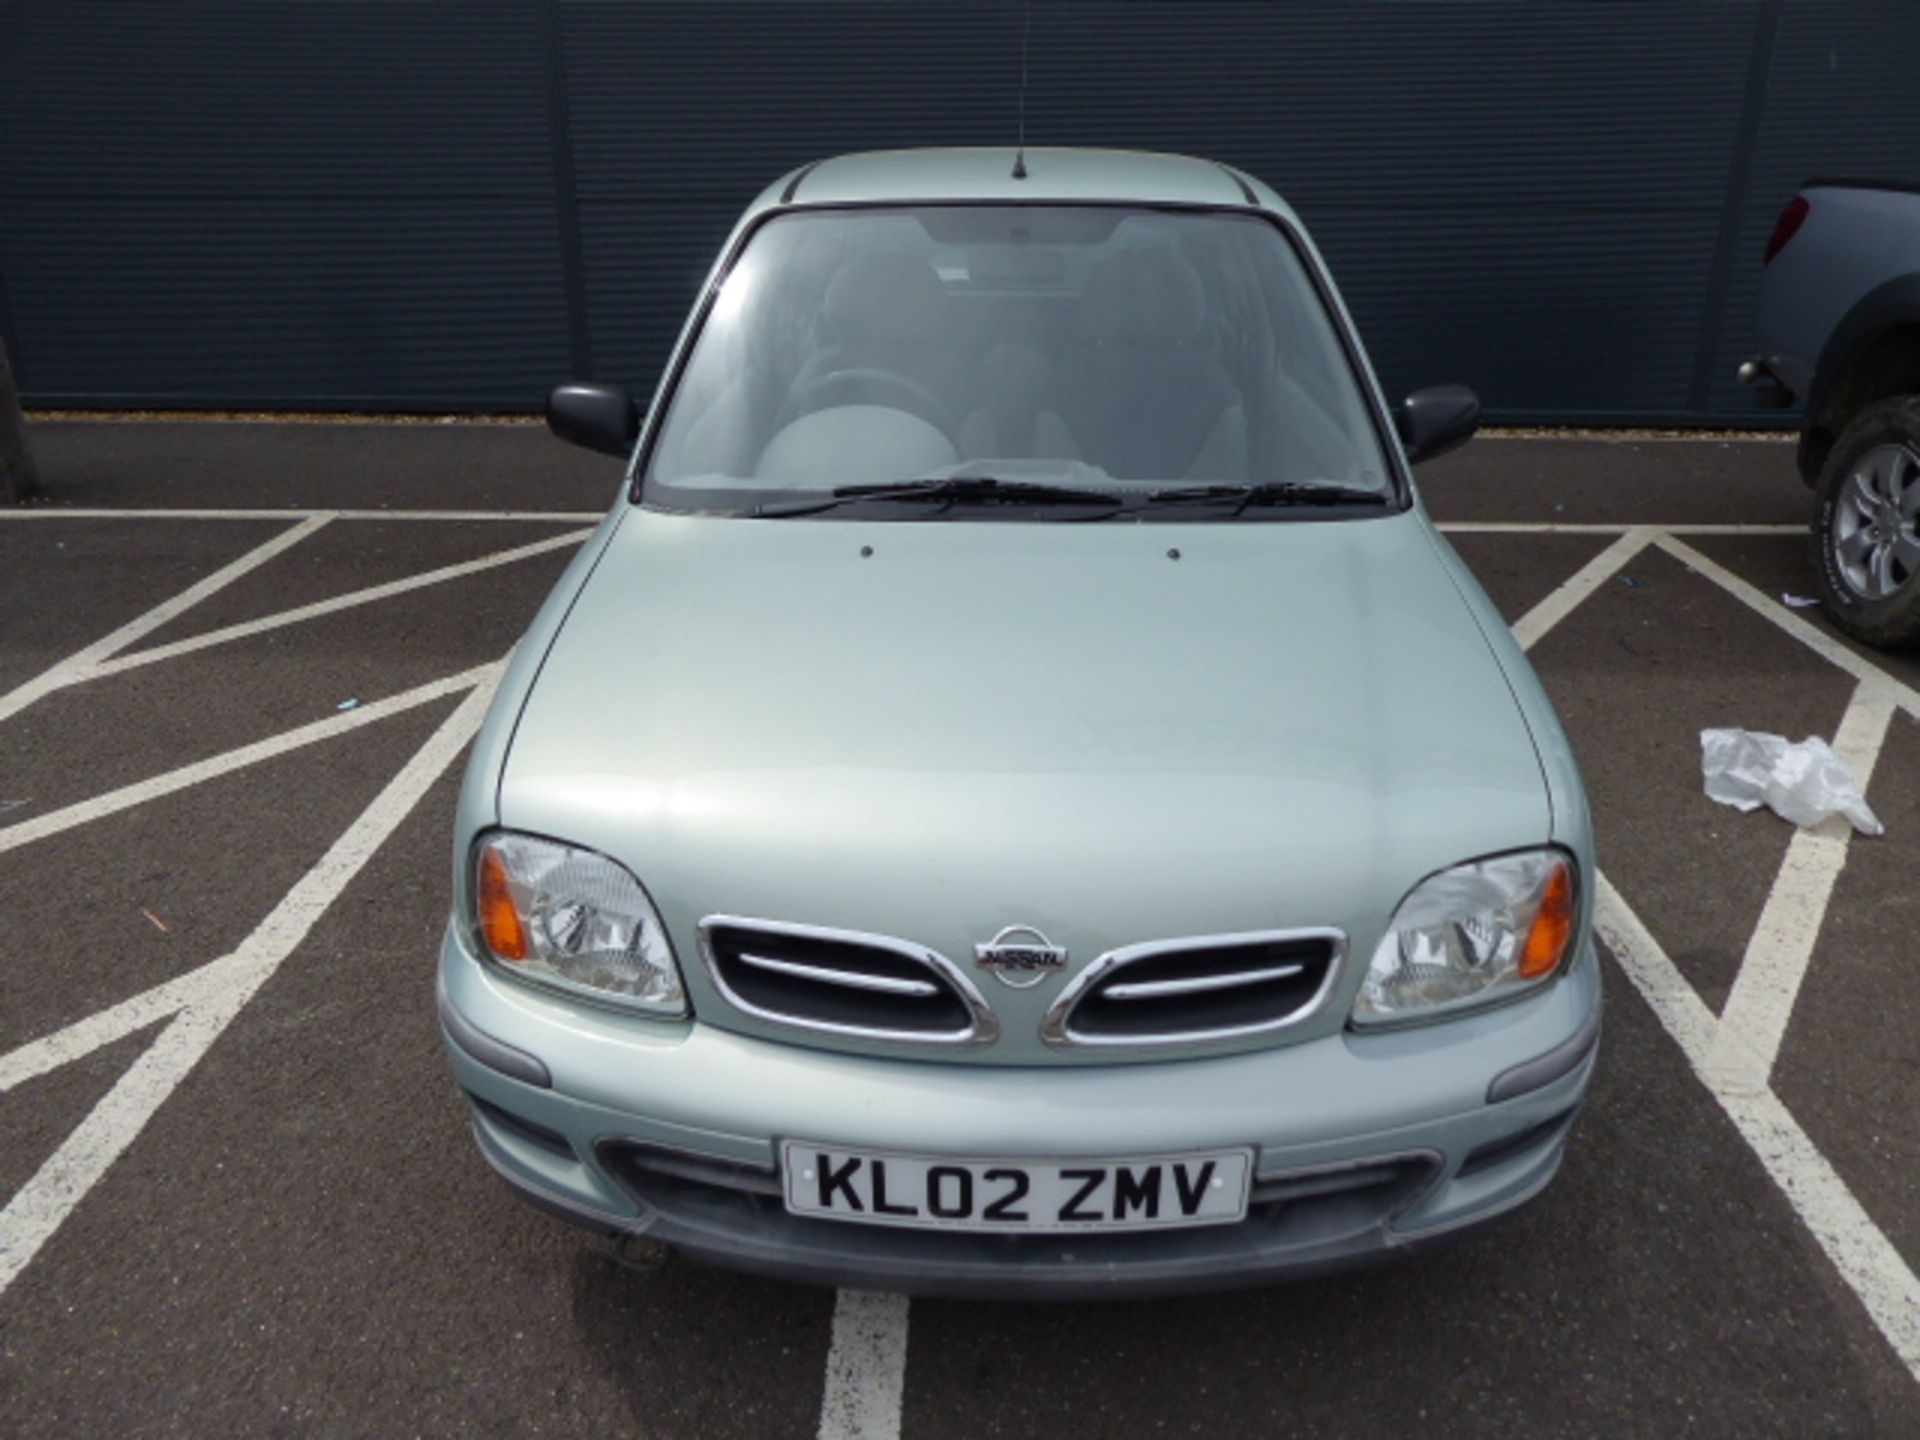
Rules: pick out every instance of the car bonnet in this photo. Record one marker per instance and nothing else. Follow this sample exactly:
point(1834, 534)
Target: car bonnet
point(1109, 732)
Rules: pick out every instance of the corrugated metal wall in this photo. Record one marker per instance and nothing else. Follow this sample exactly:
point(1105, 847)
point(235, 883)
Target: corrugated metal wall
point(377, 203)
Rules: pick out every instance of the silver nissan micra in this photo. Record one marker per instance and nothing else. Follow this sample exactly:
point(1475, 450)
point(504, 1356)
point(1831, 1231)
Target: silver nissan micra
point(1017, 797)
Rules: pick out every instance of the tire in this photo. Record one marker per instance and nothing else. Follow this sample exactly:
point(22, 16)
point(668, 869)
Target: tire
point(1866, 531)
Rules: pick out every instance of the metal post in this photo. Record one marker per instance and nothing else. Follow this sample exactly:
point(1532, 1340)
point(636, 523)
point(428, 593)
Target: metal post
point(18, 479)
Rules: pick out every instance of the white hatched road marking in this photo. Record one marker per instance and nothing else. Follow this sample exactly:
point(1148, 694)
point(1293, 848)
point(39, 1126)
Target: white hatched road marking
point(1801, 629)
point(138, 793)
point(103, 1027)
point(339, 602)
point(85, 663)
point(1859, 1250)
point(1733, 1054)
point(866, 1367)
point(203, 1002)
point(1578, 586)
point(37, 1210)
point(1754, 1020)
point(1673, 1000)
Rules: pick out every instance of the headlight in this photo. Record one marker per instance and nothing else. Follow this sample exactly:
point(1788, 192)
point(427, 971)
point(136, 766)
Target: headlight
point(1472, 935)
point(575, 920)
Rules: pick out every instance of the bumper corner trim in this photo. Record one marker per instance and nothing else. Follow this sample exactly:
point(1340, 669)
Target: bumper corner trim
point(1543, 1070)
point(494, 1054)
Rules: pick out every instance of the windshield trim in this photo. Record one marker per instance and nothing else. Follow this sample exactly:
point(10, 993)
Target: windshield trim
point(1385, 436)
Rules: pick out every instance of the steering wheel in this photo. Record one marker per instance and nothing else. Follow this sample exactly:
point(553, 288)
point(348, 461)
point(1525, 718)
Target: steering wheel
point(867, 386)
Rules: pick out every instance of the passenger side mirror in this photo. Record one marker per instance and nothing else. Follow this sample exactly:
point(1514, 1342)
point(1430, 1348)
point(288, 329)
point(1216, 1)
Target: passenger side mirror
point(1437, 419)
point(598, 417)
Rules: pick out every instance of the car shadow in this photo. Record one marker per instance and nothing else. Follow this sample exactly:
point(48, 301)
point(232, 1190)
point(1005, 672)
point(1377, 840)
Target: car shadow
point(699, 1351)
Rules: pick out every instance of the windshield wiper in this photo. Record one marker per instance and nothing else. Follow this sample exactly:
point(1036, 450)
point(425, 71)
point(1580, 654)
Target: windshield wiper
point(953, 490)
point(1270, 492)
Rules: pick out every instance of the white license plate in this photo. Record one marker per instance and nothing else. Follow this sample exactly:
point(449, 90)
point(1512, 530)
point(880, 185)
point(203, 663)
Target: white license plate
point(1148, 1192)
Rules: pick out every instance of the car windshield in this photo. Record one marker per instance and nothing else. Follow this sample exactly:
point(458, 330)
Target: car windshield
point(1119, 350)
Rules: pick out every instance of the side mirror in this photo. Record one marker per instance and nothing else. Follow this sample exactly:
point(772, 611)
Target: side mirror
point(598, 417)
point(1437, 419)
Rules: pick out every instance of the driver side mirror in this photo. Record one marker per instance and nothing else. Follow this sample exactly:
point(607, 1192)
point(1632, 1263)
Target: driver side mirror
point(1437, 419)
point(598, 417)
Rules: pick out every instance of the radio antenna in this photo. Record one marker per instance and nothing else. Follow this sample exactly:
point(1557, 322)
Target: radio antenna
point(1026, 34)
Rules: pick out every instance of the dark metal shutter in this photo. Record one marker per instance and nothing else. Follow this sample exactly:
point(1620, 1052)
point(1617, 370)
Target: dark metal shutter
point(414, 205)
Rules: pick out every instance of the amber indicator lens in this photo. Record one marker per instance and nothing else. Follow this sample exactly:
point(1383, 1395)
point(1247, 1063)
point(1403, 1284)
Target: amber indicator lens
point(1552, 928)
point(500, 923)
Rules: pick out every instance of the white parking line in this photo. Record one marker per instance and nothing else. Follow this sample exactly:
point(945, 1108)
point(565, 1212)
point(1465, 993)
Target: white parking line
point(73, 1042)
point(1808, 634)
point(54, 821)
point(39, 1208)
point(866, 1367)
point(1560, 602)
point(1677, 1004)
point(85, 663)
point(338, 603)
point(1754, 1021)
point(1859, 1250)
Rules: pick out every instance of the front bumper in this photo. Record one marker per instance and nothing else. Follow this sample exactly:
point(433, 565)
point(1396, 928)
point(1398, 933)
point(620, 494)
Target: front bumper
point(1368, 1146)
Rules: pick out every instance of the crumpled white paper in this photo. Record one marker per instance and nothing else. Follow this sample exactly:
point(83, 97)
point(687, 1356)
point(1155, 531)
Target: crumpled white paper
point(1804, 783)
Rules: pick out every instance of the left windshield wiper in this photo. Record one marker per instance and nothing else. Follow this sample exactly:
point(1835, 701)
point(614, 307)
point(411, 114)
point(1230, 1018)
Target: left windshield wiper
point(953, 490)
point(1269, 492)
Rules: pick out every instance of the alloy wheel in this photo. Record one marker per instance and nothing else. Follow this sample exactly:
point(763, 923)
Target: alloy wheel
point(1873, 538)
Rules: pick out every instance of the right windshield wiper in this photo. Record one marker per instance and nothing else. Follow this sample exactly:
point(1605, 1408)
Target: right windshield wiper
point(1269, 492)
point(953, 490)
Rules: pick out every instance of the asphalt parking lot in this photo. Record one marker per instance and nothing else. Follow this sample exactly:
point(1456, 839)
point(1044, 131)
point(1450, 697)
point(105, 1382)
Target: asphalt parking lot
point(238, 664)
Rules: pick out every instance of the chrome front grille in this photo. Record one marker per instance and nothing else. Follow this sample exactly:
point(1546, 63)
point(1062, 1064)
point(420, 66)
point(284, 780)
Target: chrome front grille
point(842, 982)
point(1209, 987)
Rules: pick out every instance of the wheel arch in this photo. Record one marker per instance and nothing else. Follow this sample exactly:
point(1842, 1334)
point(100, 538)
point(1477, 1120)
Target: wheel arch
point(1872, 354)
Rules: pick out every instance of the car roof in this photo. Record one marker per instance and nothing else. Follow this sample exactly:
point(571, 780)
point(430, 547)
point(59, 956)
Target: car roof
point(883, 176)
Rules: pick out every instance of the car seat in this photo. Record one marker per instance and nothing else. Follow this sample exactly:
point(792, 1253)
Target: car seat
point(1145, 399)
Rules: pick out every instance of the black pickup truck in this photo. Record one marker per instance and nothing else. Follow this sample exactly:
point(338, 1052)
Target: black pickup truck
point(1839, 327)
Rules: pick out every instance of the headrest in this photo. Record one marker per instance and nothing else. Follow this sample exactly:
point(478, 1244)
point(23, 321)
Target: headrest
point(1144, 295)
point(884, 297)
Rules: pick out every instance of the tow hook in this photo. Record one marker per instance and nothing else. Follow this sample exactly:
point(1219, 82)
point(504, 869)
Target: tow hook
point(1767, 390)
point(640, 1254)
